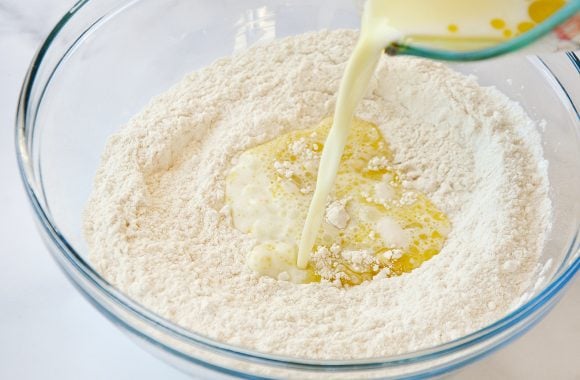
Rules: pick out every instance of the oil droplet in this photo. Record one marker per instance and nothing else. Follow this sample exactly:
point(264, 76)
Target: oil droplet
point(497, 23)
point(453, 28)
point(525, 26)
point(540, 10)
point(507, 33)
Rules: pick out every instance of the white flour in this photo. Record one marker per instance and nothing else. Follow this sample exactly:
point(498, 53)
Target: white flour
point(158, 230)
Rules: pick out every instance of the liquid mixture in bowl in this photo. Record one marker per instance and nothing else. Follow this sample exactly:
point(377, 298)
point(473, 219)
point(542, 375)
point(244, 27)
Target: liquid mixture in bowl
point(431, 229)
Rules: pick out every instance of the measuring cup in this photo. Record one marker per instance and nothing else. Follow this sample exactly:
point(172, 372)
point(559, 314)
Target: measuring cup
point(466, 30)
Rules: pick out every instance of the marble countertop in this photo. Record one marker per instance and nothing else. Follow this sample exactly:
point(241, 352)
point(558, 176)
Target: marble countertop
point(47, 330)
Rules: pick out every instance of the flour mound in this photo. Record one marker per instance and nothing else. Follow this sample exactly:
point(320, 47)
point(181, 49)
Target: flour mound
point(158, 230)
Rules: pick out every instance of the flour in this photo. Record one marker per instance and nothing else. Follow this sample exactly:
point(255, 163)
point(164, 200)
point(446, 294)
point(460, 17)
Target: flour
point(158, 229)
point(337, 215)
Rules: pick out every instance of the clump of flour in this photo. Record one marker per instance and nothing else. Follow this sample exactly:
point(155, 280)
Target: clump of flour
point(158, 230)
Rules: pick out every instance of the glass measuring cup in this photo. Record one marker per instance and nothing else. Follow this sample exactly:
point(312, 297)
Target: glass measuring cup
point(467, 30)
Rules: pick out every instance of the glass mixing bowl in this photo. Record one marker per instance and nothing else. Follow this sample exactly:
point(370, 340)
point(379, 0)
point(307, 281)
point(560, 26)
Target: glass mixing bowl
point(106, 58)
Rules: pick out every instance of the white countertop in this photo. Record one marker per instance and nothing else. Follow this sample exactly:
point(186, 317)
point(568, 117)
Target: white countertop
point(47, 330)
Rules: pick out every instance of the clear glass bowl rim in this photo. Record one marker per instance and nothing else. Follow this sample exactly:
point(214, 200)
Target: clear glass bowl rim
point(69, 259)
